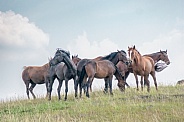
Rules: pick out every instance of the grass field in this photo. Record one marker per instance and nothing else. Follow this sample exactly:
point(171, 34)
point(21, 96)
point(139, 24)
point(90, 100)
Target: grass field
point(166, 105)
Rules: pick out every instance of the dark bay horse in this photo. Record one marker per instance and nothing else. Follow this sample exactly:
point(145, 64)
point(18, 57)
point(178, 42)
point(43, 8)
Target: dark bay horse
point(114, 57)
point(143, 66)
point(100, 69)
point(161, 55)
point(35, 75)
point(61, 71)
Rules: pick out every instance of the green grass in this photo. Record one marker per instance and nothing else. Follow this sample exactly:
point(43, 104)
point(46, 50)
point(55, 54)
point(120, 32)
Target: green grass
point(165, 105)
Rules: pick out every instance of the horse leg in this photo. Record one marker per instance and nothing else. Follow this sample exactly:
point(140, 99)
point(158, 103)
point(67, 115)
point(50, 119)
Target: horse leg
point(76, 87)
point(90, 79)
point(110, 84)
point(154, 78)
point(50, 87)
point(66, 89)
point(47, 87)
point(142, 83)
point(59, 88)
point(106, 85)
point(91, 87)
point(137, 82)
point(80, 89)
point(27, 89)
point(147, 82)
point(31, 90)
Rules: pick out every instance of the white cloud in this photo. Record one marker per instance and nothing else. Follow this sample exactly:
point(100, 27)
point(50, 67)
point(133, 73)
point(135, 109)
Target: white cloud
point(20, 38)
point(91, 49)
point(173, 43)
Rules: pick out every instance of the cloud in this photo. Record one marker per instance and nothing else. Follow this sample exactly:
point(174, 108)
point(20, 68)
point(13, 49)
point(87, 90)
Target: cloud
point(91, 49)
point(19, 35)
point(173, 43)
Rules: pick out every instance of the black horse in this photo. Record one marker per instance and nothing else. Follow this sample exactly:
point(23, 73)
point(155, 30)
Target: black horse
point(61, 71)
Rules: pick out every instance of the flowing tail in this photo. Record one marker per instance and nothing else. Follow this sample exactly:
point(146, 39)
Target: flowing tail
point(82, 74)
point(160, 66)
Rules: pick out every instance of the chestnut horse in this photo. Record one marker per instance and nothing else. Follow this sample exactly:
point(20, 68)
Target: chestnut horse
point(35, 75)
point(100, 69)
point(143, 66)
point(160, 55)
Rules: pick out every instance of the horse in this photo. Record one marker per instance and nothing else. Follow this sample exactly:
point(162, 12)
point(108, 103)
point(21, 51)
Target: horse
point(157, 56)
point(143, 66)
point(114, 57)
point(161, 55)
point(61, 71)
point(75, 59)
point(100, 69)
point(35, 75)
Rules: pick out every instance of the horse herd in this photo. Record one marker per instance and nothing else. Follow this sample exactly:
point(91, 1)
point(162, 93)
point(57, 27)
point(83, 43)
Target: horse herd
point(83, 71)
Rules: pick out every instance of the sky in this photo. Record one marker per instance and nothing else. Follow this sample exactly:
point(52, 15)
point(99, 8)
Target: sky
point(31, 30)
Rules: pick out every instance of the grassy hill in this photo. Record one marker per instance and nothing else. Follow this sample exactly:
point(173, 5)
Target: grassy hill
point(166, 105)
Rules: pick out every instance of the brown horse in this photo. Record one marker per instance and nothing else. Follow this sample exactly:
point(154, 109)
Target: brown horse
point(114, 57)
point(75, 59)
point(143, 66)
point(100, 69)
point(35, 75)
point(161, 55)
point(126, 70)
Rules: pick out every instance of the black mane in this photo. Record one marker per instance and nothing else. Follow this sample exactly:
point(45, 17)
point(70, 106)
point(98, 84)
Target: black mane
point(63, 51)
point(110, 56)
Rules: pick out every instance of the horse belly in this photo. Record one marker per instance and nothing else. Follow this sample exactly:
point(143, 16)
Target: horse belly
point(104, 72)
point(101, 75)
point(37, 78)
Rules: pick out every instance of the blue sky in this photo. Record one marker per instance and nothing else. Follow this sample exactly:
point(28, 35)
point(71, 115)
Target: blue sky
point(31, 31)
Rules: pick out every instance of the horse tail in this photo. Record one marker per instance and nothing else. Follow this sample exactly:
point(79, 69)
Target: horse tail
point(82, 74)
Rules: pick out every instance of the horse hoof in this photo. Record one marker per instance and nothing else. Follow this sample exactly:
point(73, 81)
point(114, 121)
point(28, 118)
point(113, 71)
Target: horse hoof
point(105, 92)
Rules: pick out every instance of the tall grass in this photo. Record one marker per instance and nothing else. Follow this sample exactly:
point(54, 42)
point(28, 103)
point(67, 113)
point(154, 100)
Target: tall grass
point(165, 105)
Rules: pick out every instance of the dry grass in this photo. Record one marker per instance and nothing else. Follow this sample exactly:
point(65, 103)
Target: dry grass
point(131, 106)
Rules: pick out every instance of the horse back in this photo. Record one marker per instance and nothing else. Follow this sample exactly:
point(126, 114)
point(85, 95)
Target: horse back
point(35, 74)
point(105, 68)
point(149, 63)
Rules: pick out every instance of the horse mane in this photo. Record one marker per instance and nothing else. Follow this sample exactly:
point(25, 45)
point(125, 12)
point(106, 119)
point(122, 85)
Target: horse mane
point(110, 56)
point(63, 51)
point(123, 52)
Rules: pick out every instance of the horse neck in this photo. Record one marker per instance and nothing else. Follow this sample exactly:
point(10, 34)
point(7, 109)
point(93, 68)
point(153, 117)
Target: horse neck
point(138, 59)
point(154, 56)
point(69, 64)
point(114, 60)
point(46, 66)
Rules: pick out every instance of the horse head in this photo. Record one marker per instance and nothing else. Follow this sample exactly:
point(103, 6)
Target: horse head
point(133, 54)
point(60, 55)
point(122, 56)
point(75, 59)
point(164, 57)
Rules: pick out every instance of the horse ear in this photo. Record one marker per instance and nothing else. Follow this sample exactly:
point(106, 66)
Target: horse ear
point(166, 51)
point(134, 47)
